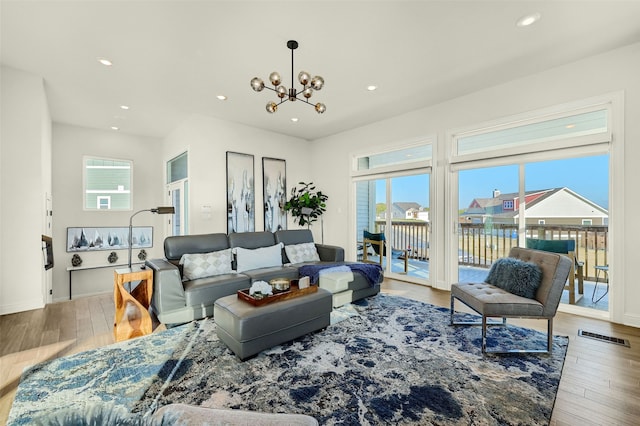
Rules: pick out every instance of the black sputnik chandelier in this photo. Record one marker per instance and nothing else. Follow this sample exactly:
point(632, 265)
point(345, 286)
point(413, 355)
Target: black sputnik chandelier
point(309, 84)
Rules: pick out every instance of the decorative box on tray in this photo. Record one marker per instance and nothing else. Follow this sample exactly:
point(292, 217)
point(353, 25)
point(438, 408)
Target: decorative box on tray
point(293, 291)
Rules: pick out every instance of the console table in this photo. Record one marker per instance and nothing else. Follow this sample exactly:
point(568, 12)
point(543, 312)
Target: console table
point(71, 269)
point(132, 317)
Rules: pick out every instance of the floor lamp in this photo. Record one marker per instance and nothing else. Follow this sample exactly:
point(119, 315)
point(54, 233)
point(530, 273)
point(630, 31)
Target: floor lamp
point(158, 210)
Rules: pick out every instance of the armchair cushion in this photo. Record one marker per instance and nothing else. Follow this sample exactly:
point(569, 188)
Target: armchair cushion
point(515, 276)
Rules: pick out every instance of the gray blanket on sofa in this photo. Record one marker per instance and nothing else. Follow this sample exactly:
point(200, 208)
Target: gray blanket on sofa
point(372, 272)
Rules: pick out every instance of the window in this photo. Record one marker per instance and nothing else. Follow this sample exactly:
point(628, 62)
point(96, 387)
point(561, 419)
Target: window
point(107, 183)
point(587, 126)
point(587, 222)
point(177, 168)
point(178, 192)
point(408, 158)
point(104, 203)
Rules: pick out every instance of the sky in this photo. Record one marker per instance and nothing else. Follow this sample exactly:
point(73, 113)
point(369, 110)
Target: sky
point(587, 176)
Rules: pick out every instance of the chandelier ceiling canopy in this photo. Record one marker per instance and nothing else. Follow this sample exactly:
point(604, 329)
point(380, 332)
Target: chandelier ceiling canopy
point(309, 85)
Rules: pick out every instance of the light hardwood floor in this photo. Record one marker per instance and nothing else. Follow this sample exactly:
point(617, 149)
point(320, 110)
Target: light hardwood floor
point(600, 381)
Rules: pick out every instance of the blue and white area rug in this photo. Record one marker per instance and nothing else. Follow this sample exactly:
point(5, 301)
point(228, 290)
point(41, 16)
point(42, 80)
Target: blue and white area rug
point(396, 361)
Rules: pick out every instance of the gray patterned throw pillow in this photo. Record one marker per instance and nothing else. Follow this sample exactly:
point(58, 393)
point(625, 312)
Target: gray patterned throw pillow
point(201, 265)
point(305, 252)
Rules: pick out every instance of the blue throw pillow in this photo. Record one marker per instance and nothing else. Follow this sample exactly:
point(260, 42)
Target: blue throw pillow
point(515, 276)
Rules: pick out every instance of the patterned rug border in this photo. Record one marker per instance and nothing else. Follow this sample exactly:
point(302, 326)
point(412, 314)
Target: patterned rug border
point(317, 366)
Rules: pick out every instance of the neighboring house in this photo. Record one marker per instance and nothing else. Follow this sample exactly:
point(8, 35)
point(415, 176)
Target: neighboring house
point(419, 214)
point(401, 210)
point(556, 206)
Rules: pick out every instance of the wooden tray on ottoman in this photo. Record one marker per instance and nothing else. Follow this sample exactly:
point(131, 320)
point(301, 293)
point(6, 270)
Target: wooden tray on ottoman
point(294, 291)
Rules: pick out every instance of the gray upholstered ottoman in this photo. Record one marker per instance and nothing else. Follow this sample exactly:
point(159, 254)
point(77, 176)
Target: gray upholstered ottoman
point(248, 330)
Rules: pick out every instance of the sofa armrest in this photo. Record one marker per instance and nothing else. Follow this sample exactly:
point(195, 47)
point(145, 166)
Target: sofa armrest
point(329, 253)
point(168, 291)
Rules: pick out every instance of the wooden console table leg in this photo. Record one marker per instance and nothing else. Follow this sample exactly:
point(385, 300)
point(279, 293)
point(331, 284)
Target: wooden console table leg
point(132, 318)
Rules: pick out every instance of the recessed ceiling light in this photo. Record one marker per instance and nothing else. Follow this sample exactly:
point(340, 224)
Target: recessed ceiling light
point(115, 128)
point(527, 20)
point(371, 88)
point(294, 119)
point(222, 97)
point(124, 106)
point(105, 62)
point(570, 126)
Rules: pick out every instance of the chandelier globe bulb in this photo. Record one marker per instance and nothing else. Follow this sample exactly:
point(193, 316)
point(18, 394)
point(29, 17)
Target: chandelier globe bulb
point(320, 108)
point(271, 107)
point(281, 91)
point(307, 92)
point(257, 84)
point(304, 78)
point(317, 82)
point(275, 78)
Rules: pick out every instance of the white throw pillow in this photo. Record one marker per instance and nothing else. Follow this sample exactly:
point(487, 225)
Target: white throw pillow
point(201, 265)
point(305, 252)
point(262, 257)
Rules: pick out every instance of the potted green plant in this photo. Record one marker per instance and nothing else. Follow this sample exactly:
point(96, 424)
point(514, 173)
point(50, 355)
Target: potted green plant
point(306, 204)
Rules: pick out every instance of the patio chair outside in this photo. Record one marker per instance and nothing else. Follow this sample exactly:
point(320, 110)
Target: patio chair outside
point(567, 248)
point(379, 244)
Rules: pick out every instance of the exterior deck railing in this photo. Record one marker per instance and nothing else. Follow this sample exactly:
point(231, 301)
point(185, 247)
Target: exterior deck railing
point(481, 244)
point(412, 235)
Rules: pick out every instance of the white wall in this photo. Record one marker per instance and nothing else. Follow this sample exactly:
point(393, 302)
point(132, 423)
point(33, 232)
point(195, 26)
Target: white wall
point(207, 140)
point(25, 179)
point(71, 143)
point(602, 74)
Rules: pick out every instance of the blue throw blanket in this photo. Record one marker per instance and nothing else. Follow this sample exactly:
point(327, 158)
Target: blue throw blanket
point(372, 272)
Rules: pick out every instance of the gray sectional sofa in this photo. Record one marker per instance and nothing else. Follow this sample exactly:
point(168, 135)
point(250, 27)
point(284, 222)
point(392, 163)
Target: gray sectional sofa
point(182, 292)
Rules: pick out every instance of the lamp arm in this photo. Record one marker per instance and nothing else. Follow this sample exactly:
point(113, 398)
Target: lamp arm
point(131, 233)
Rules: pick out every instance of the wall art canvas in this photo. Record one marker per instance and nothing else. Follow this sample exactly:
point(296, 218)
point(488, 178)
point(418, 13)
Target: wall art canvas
point(240, 193)
point(274, 193)
point(108, 238)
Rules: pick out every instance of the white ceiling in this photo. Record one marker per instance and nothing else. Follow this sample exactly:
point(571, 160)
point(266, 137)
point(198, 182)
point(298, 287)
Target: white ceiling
point(171, 58)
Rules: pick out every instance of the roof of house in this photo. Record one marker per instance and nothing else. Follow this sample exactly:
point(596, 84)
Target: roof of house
point(405, 206)
point(495, 205)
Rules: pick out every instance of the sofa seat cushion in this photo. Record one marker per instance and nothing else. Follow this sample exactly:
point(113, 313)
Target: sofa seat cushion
point(490, 300)
point(266, 274)
point(205, 291)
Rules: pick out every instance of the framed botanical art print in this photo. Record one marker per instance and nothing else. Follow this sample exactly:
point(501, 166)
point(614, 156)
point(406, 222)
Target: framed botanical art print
point(274, 193)
point(240, 193)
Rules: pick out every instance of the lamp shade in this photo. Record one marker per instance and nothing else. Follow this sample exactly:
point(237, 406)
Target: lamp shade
point(164, 210)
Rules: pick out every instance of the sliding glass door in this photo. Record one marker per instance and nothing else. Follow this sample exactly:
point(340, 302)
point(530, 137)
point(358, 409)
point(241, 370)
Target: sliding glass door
point(395, 208)
point(518, 205)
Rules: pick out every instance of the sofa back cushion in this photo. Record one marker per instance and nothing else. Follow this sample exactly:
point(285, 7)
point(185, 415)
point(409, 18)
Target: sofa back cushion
point(251, 240)
point(176, 247)
point(294, 236)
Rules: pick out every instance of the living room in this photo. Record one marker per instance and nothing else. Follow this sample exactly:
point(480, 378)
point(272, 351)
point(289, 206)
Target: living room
point(47, 155)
